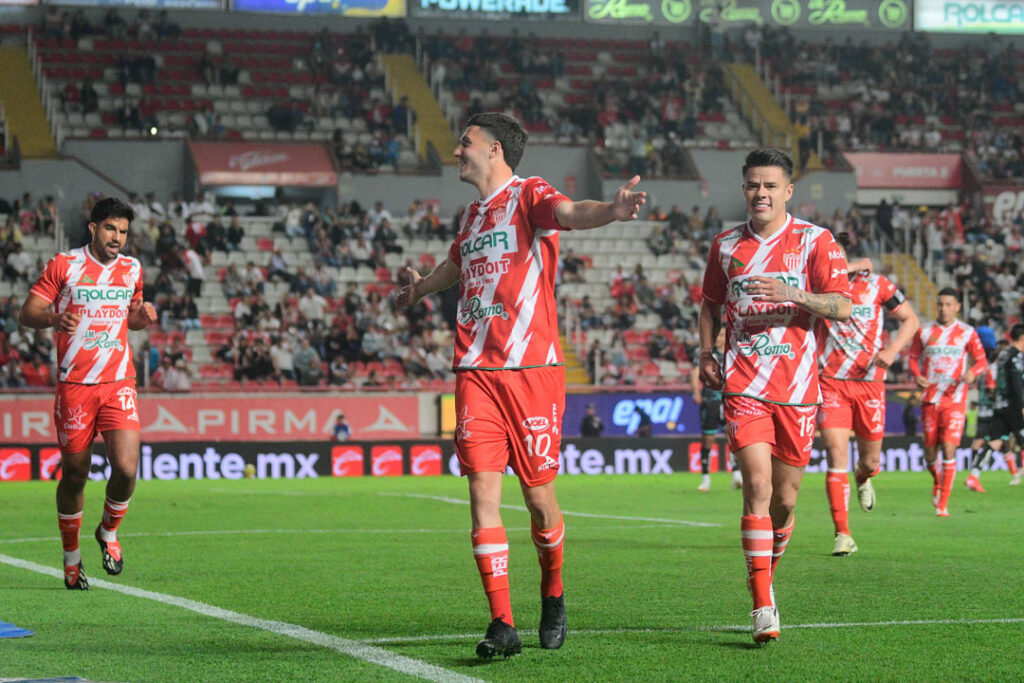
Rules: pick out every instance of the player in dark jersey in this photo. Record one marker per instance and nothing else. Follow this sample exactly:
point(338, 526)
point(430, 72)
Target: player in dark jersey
point(712, 420)
point(1007, 411)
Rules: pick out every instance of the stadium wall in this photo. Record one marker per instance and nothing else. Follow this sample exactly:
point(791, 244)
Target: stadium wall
point(138, 165)
point(426, 457)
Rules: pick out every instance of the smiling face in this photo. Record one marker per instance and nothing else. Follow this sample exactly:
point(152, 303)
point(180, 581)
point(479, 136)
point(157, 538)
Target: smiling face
point(476, 152)
point(947, 307)
point(108, 236)
point(766, 189)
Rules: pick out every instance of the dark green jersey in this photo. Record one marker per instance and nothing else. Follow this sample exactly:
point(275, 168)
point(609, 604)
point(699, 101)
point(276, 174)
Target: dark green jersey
point(1009, 394)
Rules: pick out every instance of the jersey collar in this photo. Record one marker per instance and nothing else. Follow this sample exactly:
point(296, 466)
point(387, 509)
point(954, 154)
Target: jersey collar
point(483, 203)
point(768, 240)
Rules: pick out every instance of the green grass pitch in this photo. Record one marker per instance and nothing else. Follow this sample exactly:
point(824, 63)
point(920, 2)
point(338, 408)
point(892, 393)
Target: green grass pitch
point(373, 579)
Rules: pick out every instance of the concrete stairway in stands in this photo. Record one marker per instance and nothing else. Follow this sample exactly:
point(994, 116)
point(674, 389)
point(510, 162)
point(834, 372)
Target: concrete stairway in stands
point(405, 79)
point(22, 106)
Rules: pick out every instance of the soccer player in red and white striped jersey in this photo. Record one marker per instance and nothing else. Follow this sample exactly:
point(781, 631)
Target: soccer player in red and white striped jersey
point(776, 277)
point(945, 358)
point(853, 363)
point(92, 296)
point(509, 370)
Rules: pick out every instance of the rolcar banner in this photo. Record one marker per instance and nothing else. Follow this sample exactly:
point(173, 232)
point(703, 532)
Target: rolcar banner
point(421, 458)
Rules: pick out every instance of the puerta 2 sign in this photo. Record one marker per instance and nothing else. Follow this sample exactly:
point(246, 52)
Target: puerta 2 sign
point(866, 14)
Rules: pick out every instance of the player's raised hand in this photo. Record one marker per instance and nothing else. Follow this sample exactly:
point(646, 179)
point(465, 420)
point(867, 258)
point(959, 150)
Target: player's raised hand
point(626, 203)
point(408, 295)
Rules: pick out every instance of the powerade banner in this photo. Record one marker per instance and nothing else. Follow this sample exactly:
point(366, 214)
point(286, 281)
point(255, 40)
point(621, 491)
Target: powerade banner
point(417, 458)
point(341, 8)
point(969, 16)
point(868, 14)
point(144, 4)
point(498, 10)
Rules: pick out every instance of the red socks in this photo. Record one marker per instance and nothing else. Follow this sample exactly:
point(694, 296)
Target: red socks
point(756, 532)
point(948, 475)
point(1011, 462)
point(549, 555)
point(861, 477)
point(70, 525)
point(837, 486)
point(490, 548)
point(780, 539)
point(113, 513)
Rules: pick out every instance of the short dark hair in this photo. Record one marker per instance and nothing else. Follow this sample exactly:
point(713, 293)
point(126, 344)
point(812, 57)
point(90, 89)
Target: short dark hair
point(1017, 331)
point(949, 291)
point(507, 131)
point(111, 207)
point(769, 156)
point(844, 241)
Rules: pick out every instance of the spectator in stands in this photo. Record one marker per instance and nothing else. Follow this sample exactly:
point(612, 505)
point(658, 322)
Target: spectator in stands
point(278, 266)
point(360, 254)
point(71, 98)
point(175, 377)
point(128, 116)
point(283, 117)
point(234, 283)
point(312, 306)
point(341, 431)
point(323, 279)
point(194, 272)
point(36, 372)
point(338, 372)
point(186, 313)
point(113, 25)
point(282, 356)
point(572, 267)
point(658, 242)
point(308, 370)
point(234, 235)
point(164, 28)
point(215, 237)
point(18, 264)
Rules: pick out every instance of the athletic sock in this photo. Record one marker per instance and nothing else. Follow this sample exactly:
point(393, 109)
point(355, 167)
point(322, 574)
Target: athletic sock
point(113, 513)
point(69, 528)
point(862, 477)
point(1011, 462)
point(948, 475)
point(780, 539)
point(705, 458)
point(978, 456)
point(490, 548)
point(837, 486)
point(756, 532)
point(549, 554)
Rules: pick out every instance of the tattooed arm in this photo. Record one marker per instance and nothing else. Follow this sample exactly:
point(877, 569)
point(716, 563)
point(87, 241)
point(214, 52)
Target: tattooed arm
point(831, 305)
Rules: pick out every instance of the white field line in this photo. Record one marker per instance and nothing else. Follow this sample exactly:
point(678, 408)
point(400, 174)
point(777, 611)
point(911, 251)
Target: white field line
point(567, 513)
point(233, 532)
point(736, 628)
point(352, 648)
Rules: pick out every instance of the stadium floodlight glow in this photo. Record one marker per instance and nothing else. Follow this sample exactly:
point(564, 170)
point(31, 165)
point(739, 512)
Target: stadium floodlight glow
point(153, 131)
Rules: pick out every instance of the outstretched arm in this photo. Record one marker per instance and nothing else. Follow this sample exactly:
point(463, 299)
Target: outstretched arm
point(442, 277)
point(909, 325)
point(588, 213)
point(832, 306)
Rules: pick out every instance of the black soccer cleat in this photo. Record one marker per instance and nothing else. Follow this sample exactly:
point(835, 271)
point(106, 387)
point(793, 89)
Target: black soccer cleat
point(113, 562)
point(552, 622)
point(501, 639)
point(74, 578)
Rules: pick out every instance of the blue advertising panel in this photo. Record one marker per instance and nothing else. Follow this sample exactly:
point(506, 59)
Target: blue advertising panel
point(146, 4)
point(346, 8)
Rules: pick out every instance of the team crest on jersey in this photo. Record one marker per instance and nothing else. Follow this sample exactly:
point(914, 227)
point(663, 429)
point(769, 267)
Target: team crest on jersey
point(791, 259)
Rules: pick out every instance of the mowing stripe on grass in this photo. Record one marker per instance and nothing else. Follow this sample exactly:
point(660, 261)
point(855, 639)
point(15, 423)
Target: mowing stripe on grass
point(352, 648)
point(736, 628)
point(591, 515)
point(233, 532)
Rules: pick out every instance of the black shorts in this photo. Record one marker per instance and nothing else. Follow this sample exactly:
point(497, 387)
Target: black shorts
point(1001, 425)
point(711, 417)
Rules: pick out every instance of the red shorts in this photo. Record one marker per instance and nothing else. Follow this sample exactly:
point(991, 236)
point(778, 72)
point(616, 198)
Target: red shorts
point(510, 418)
point(789, 429)
point(81, 411)
point(943, 423)
point(848, 404)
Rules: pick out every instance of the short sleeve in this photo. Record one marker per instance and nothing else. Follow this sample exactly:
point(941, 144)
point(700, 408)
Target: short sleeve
point(540, 200)
point(889, 296)
point(51, 281)
point(714, 277)
point(827, 269)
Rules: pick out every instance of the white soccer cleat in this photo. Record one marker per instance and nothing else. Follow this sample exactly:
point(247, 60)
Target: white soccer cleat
point(1015, 479)
point(866, 496)
point(844, 545)
point(737, 479)
point(705, 483)
point(766, 625)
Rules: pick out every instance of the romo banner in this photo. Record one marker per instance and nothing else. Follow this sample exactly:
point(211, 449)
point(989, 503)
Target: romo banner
point(263, 163)
point(234, 418)
point(818, 14)
point(418, 458)
point(897, 171)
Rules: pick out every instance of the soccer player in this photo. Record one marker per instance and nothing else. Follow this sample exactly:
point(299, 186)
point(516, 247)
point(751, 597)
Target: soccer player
point(1006, 415)
point(711, 420)
point(938, 362)
point(852, 367)
point(92, 296)
point(509, 369)
point(775, 276)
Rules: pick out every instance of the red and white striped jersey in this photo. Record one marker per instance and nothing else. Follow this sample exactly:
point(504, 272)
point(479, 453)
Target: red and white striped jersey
point(98, 351)
point(507, 252)
point(851, 345)
point(939, 354)
point(772, 347)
